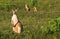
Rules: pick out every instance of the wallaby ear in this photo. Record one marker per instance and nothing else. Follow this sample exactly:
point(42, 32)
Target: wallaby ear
point(15, 10)
point(12, 10)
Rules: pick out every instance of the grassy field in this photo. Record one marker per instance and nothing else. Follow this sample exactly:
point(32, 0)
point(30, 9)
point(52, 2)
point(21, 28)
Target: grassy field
point(35, 24)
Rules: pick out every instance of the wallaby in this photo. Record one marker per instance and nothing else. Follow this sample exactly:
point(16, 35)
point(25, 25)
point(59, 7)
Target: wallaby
point(34, 9)
point(17, 26)
point(27, 7)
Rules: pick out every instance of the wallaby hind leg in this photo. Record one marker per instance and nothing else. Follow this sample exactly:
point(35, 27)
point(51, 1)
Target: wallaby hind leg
point(15, 29)
point(18, 28)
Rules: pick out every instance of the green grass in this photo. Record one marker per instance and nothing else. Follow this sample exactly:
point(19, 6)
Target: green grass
point(34, 23)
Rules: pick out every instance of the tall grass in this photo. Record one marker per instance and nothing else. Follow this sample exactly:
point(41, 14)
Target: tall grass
point(36, 25)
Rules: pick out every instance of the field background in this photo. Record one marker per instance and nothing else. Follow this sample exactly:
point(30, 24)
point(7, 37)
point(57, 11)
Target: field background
point(43, 24)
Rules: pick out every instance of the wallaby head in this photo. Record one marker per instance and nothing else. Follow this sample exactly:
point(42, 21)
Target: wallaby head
point(35, 9)
point(14, 11)
point(27, 7)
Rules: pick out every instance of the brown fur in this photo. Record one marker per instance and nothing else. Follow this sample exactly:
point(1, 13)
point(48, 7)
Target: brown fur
point(35, 9)
point(16, 27)
point(27, 8)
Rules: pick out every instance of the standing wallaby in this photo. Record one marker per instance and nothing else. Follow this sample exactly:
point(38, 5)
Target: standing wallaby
point(17, 26)
point(27, 7)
